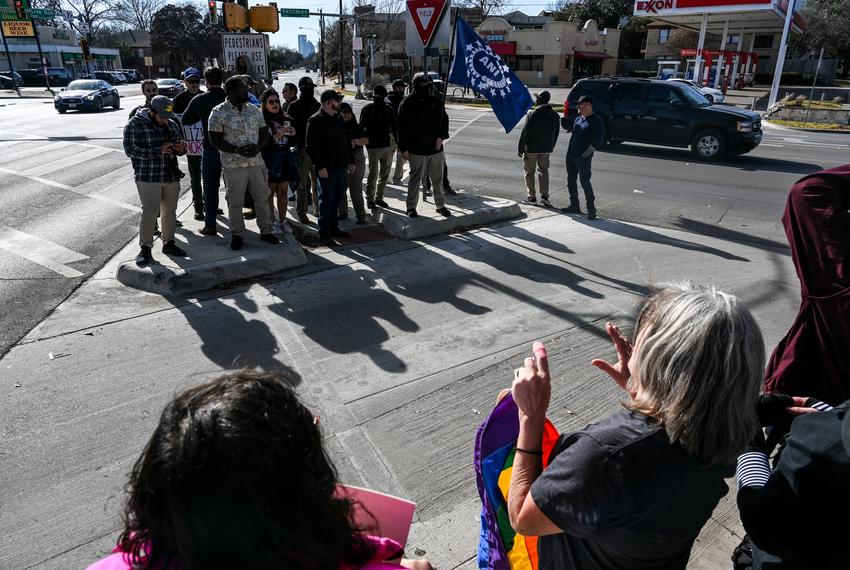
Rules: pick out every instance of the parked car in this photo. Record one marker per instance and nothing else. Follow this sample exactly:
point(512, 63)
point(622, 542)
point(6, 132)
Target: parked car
point(87, 95)
point(666, 113)
point(121, 77)
point(107, 76)
point(132, 75)
point(59, 76)
point(31, 77)
point(13, 75)
point(169, 87)
point(439, 84)
point(274, 75)
point(711, 94)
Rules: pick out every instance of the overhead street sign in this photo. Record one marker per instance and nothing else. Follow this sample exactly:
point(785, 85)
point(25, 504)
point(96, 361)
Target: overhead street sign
point(41, 13)
point(294, 12)
point(426, 15)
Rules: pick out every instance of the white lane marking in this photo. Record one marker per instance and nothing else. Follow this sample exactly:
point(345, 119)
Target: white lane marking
point(41, 251)
point(93, 196)
point(29, 137)
point(74, 159)
point(463, 126)
point(44, 150)
point(470, 141)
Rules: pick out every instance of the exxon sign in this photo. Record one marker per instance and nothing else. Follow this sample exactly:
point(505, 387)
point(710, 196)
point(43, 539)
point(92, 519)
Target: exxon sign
point(653, 6)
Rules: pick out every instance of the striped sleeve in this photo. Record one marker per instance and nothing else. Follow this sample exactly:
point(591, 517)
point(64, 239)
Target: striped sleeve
point(753, 470)
point(821, 406)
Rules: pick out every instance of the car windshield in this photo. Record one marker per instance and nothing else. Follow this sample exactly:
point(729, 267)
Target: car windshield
point(167, 81)
point(82, 86)
point(693, 96)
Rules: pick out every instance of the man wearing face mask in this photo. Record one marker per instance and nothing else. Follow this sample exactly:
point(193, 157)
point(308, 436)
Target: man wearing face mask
point(244, 66)
point(238, 131)
point(423, 125)
point(378, 120)
point(153, 140)
point(332, 158)
point(192, 80)
point(301, 110)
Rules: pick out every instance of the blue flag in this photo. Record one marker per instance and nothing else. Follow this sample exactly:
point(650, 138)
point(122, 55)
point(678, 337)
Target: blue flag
point(475, 65)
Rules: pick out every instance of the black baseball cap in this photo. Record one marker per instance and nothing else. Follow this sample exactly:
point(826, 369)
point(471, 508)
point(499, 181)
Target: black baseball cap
point(399, 83)
point(330, 95)
point(305, 82)
point(380, 91)
point(585, 99)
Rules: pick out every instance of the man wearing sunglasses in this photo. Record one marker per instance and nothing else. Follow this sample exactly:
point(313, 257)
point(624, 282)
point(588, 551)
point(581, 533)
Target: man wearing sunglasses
point(192, 80)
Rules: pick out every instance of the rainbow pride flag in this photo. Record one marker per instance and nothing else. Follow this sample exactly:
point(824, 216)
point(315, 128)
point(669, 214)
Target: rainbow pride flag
point(499, 547)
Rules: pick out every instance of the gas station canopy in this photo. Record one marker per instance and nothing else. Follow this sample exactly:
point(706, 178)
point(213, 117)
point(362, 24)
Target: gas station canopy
point(755, 16)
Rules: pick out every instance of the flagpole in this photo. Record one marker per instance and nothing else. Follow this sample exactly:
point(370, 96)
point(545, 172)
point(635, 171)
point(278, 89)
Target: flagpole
point(451, 53)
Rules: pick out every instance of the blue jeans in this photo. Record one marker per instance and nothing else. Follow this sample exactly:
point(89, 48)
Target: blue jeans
point(211, 175)
point(331, 192)
point(578, 167)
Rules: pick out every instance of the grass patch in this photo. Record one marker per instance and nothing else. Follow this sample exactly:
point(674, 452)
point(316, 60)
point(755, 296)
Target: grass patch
point(814, 126)
point(814, 104)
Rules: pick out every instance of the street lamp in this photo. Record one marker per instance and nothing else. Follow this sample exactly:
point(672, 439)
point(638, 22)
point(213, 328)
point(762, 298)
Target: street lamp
point(321, 32)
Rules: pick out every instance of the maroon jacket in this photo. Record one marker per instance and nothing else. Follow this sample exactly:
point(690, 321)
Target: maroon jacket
point(814, 357)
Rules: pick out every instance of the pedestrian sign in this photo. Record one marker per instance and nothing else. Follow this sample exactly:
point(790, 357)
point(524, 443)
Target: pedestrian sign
point(294, 13)
point(426, 15)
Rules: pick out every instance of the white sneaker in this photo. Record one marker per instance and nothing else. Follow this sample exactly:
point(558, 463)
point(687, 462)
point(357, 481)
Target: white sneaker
point(545, 203)
point(530, 201)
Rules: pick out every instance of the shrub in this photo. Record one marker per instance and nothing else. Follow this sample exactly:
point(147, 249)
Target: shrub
point(376, 79)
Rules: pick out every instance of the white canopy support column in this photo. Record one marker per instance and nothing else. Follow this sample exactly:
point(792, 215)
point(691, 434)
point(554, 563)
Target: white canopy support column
point(700, 46)
point(721, 60)
point(780, 58)
point(736, 64)
point(750, 66)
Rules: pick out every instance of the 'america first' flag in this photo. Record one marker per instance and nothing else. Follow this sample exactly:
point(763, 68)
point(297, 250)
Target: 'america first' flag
point(476, 65)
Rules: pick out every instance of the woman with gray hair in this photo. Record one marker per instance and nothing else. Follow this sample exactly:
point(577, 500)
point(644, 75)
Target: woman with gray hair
point(634, 490)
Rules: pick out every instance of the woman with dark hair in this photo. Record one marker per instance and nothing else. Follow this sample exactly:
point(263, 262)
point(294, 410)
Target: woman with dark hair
point(277, 154)
point(357, 139)
point(235, 476)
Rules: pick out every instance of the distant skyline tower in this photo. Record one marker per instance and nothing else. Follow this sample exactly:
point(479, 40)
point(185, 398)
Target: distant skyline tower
point(302, 45)
point(310, 49)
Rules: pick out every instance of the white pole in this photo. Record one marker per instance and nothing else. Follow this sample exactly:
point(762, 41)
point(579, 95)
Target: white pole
point(780, 58)
point(700, 45)
point(721, 60)
point(736, 64)
point(750, 66)
point(815, 82)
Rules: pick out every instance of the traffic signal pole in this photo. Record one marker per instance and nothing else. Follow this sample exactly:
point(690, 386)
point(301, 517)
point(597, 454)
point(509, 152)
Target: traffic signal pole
point(41, 56)
point(11, 65)
point(341, 50)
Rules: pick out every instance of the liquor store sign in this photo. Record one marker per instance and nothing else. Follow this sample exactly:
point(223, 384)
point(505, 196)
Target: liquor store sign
point(18, 29)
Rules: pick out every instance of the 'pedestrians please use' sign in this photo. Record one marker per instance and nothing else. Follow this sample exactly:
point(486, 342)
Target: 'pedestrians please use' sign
point(17, 29)
point(253, 47)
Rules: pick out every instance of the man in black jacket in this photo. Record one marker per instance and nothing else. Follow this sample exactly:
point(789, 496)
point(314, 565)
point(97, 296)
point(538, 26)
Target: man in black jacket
point(199, 109)
point(394, 100)
point(330, 153)
point(423, 125)
point(192, 80)
point(588, 134)
point(301, 110)
point(536, 142)
point(378, 120)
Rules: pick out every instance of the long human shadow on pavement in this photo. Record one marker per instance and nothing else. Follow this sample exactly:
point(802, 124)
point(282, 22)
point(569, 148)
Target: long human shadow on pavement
point(229, 339)
point(697, 227)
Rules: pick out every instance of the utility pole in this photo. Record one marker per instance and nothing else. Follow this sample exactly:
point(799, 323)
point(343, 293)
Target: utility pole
point(341, 50)
point(40, 56)
point(11, 65)
point(322, 40)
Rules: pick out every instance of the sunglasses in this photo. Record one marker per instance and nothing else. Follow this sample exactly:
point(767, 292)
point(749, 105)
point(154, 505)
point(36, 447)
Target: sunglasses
point(273, 102)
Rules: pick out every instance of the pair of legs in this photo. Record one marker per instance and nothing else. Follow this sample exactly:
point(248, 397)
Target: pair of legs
point(194, 162)
point(579, 167)
point(354, 181)
point(211, 176)
point(420, 166)
point(380, 161)
point(279, 191)
point(308, 183)
point(247, 180)
point(158, 198)
point(331, 191)
point(398, 173)
point(536, 162)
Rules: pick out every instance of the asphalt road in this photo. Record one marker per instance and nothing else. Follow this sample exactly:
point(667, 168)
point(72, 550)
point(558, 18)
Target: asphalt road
point(68, 202)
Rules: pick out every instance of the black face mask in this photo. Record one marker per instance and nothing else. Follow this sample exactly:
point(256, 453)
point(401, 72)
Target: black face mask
point(421, 89)
point(307, 92)
point(379, 99)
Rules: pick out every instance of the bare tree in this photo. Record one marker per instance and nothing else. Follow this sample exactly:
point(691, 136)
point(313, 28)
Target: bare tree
point(94, 13)
point(487, 7)
point(382, 27)
point(137, 14)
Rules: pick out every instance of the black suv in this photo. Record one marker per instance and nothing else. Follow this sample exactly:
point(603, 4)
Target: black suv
point(666, 113)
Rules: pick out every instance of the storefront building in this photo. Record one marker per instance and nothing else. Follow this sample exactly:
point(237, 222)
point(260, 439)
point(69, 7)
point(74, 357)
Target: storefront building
point(60, 47)
point(545, 52)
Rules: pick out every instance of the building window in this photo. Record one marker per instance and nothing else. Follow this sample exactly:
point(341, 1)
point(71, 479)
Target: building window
point(663, 35)
point(529, 63)
point(763, 42)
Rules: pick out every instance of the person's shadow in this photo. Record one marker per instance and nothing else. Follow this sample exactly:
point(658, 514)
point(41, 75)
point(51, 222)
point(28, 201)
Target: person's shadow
point(230, 340)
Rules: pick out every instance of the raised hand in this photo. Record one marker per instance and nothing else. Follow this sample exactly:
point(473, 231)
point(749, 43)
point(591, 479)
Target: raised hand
point(532, 388)
point(619, 371)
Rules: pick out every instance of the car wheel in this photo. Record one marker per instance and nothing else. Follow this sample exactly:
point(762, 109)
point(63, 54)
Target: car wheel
point(710, 98)
point(708, 145)
point(62, 110)
point(98, 105)
point(117, 104)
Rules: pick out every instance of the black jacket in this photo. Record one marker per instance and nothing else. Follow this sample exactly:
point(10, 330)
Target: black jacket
point(802, 513)
point(181, 102)
point(354, 130)
point(199, 109)
point(301, 110)
point(378, 120)
point(540, 132)
point(586, 132)
point(394, 99)
point(327, 141)
point(422, 119)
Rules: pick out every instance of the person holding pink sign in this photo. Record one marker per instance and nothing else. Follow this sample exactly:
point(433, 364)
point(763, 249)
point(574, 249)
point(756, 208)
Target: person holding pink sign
point(235, 476)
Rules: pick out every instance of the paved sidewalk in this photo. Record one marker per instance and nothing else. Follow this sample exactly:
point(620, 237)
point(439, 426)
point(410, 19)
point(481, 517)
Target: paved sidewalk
point(400, 347)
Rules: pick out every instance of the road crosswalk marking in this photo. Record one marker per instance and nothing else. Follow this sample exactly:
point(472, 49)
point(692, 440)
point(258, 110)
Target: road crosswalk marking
point(72, 160)
point(49, 255)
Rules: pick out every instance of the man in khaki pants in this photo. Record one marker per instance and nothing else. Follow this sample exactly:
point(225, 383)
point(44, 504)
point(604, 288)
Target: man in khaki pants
point(153, 140)
point(536, 142)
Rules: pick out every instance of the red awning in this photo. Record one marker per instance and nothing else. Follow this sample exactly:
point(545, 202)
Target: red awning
point(592, 55)
point(503, 48)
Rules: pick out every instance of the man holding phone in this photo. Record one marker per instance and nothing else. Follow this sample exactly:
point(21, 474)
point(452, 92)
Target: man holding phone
point(238, 131)
point(153, 140)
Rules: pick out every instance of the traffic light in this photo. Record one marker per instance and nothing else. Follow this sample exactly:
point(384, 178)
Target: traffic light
point(265, 18)
point(84, 45)
point(20, 10)
point(235, 17)
point(213, 12)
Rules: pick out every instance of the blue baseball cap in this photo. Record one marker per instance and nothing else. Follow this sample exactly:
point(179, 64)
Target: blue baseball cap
point(191, 72)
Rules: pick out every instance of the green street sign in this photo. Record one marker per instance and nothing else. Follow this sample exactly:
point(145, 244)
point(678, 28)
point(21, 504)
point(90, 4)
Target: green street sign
point(294, 13)
point(7, 13)
point(41, 13)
